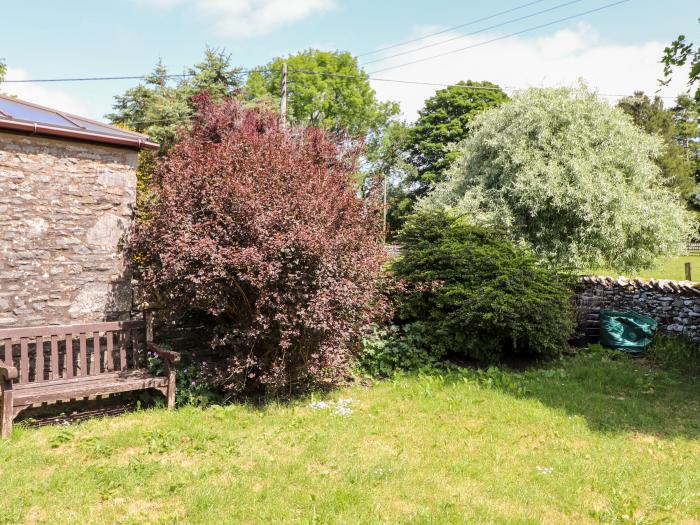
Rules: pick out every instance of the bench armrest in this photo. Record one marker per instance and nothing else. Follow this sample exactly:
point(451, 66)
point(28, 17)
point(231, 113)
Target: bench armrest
point(7, 372)
point(166, 355)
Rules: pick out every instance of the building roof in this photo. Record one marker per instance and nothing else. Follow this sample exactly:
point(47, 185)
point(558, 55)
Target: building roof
point(19, 115)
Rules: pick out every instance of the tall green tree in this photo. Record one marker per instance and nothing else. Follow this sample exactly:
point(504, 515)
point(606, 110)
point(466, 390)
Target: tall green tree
point(686, 115)
point(387, 167)
point(162, 103)
point(444, 122)
point(681, 53)
point(570, 177)
point(676, 166)
point(3, 70)
point(327, 89)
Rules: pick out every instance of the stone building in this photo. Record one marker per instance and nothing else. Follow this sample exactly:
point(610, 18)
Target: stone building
point(67, 191)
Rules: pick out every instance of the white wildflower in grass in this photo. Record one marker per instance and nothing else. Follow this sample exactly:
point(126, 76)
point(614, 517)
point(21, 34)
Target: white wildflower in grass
point(544, 470)
point(342, 411)
point(340, 407)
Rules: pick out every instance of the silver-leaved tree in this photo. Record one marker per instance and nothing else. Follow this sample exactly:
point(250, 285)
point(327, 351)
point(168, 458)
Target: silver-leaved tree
point(569, 176)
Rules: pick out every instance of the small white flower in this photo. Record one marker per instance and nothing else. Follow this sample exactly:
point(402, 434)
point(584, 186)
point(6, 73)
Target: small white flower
point(319, 405)
point(544, 470)
point(342, 411)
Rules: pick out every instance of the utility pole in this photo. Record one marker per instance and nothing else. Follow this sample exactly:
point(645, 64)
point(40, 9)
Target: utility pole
point(386, 176)
point(283, 99)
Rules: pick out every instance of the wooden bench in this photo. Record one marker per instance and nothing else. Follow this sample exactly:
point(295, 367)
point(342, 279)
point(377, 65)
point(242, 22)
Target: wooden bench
point(82, 361)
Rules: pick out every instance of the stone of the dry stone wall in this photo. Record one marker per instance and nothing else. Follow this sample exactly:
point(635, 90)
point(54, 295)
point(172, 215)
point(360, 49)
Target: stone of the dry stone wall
point(64, 207)
point(675, 305)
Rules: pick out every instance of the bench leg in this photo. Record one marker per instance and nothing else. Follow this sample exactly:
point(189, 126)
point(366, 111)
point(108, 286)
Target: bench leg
point(6, 414)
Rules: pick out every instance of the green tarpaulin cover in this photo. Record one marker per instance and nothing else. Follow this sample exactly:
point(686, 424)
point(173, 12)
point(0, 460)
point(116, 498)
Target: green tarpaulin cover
point(628, 331)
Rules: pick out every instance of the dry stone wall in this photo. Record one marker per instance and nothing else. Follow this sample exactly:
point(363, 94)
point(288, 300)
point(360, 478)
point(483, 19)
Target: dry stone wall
point(64, 207)
point(675, 305)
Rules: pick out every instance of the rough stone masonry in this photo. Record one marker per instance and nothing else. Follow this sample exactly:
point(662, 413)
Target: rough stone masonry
point(64, 207)
point(675, 305)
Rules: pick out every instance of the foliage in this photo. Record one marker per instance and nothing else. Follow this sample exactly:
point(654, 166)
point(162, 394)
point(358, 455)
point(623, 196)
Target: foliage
point(677, 168)
point(258, 226)
point(388, 159)
point(3, 70)
point(686, 116)
point(392, 349)
point(678, 54)
point(162, 105)
point(676, 353)
point(444, 122)
point(195, 380)
point(327, 89)
point(472, 292)
point(570, 177)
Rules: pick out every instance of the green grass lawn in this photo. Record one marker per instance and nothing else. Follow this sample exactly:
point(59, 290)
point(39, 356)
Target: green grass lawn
point(669, 268)
point(586, 440)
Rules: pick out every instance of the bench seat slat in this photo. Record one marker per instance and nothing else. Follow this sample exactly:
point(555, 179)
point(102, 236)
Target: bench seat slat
point(68, 389)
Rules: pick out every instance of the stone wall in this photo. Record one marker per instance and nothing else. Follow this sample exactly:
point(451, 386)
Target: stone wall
point(64, 207)
point(675, 305)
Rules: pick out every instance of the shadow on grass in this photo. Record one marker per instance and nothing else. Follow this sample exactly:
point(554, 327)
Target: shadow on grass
point(613, 392)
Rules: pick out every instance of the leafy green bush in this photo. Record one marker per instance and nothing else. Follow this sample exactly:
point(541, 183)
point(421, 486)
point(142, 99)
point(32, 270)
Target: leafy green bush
point(394, 349)
point(194, 381)
point(472, 292)
point(676, 353)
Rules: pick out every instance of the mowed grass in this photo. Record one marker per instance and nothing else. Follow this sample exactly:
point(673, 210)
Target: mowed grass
point(587, 439)
point(668, 268)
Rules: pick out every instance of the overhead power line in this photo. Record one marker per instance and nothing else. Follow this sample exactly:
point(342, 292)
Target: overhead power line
point(453, 28)
point(125, 77)
point(459, 37)
point(436, 84)
point(305, 72)
point(510, 35)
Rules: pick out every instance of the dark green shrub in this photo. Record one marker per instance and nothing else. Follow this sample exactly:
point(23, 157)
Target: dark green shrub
point(474, 293)
point(388, 350)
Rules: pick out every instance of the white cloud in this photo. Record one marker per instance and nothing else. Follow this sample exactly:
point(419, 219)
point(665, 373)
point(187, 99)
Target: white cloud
point(246, 18)
point(560, 58)
point(42, 95)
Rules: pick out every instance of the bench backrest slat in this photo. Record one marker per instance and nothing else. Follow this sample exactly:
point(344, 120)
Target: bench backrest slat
point(24, 360)
point(83, 355)
point(69, 356)
point(95, 362)
point(109, 356)
point(39, 367)
point(8, 351)
point(54, 373)
point(122, 350)
point(74, 350)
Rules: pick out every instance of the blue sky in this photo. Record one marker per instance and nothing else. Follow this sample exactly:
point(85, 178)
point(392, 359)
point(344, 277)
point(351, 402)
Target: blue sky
point(615, 50)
